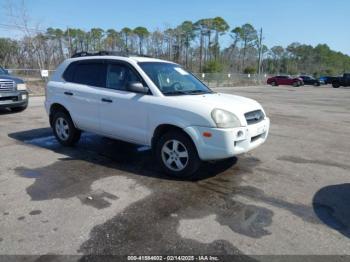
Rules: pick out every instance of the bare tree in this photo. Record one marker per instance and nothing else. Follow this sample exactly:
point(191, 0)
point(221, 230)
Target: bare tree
point(20, 19)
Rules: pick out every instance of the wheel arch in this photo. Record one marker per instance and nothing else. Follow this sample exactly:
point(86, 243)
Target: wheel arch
point(57, 107)
point(165, 128)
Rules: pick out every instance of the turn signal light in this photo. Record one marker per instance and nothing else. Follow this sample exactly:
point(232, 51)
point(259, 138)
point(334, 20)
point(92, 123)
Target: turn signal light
point(207, 134)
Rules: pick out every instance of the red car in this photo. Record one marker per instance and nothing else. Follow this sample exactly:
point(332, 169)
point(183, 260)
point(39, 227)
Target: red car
point(285, 80)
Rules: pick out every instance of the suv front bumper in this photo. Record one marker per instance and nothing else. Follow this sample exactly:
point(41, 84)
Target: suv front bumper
point(228, 142)
point(13, 99)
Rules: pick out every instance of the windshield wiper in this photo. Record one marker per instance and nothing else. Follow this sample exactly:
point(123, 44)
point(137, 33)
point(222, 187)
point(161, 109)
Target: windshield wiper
point(192, 92)
point(172, 93)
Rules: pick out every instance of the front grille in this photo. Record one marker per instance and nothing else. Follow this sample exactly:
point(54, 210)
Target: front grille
point(253, 139)
point(7, 85)
point(9, 98)
point(254, 117)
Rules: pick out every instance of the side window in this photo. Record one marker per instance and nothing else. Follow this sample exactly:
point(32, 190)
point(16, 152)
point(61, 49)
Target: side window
point(118, 76)
point(68, 75)
point(90, 73)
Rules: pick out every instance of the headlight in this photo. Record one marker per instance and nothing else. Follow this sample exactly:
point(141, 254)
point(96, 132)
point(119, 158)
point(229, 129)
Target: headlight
point(225, 119)
point(21, 87)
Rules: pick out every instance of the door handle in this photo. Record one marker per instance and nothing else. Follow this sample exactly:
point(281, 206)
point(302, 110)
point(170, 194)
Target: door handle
point(68, 93)
point(107, 100)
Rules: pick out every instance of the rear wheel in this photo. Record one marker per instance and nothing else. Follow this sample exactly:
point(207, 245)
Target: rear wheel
point(177, 155)
point(64, 129)
point(335, 85)
point(273, 83)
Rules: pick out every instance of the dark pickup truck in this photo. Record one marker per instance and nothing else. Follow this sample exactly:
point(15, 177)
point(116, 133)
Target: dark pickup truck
point(341, 81)
point(13, 92)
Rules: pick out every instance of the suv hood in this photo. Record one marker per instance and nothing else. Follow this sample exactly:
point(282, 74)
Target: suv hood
point(236, 104)
point(9, 77)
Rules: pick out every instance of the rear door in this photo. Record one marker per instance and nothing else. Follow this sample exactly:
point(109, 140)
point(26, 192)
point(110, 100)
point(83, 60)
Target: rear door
point(86, 80)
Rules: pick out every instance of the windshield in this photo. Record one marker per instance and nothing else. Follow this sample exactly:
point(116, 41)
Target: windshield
point(171, 79)
point(2, 71)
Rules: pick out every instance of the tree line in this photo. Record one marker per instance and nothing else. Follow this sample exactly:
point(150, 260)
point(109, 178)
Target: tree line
point(198, 46)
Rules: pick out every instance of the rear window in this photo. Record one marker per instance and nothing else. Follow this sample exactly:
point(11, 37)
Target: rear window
point(86, 73)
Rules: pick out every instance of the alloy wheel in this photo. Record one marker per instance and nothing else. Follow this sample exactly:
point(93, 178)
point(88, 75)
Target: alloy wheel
point(175, 155)
point(62, 128)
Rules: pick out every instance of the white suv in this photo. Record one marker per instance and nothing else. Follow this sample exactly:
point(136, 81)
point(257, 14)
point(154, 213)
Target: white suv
point(154, 103)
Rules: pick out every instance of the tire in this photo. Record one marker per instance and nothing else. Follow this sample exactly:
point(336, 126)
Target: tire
point(19, 109)
point(296, 84)
point(335, 85)
point(64, 129)
point(274, 83)
point(168, 152)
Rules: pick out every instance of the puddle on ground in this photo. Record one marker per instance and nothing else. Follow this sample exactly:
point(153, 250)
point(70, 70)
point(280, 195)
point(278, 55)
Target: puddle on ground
point(299, 160)
point(155, 229)
point(98, 199)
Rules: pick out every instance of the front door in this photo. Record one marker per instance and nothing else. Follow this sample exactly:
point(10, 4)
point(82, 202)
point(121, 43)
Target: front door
point(123, 114)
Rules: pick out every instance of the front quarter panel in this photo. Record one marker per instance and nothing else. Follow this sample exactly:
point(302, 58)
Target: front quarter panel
point(175, 112)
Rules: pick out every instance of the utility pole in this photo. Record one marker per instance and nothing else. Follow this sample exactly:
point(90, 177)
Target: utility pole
point(260, 51)
point(70, 42)
point(200, 52)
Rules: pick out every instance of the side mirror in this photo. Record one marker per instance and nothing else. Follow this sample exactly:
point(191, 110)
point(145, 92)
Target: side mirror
point(137, 87)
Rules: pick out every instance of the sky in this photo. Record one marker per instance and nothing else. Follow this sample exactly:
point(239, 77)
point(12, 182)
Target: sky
point(283, 22)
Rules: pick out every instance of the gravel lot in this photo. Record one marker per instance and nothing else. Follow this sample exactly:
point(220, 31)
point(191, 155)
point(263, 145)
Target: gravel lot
point(290, 196)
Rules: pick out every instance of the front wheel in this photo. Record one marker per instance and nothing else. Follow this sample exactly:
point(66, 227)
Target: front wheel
point(177, 155)
point(19, 109)
point(296, 84)
point(64, 129)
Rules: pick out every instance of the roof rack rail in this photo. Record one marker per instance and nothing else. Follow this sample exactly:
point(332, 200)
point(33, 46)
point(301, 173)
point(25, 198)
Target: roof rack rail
point(107, 53)
point(100, 53)
point(138, 55)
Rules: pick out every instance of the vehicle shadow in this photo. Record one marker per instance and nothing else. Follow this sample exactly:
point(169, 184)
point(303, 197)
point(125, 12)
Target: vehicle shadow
point(112, 153)
point(332, 206)
point(6, 111)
